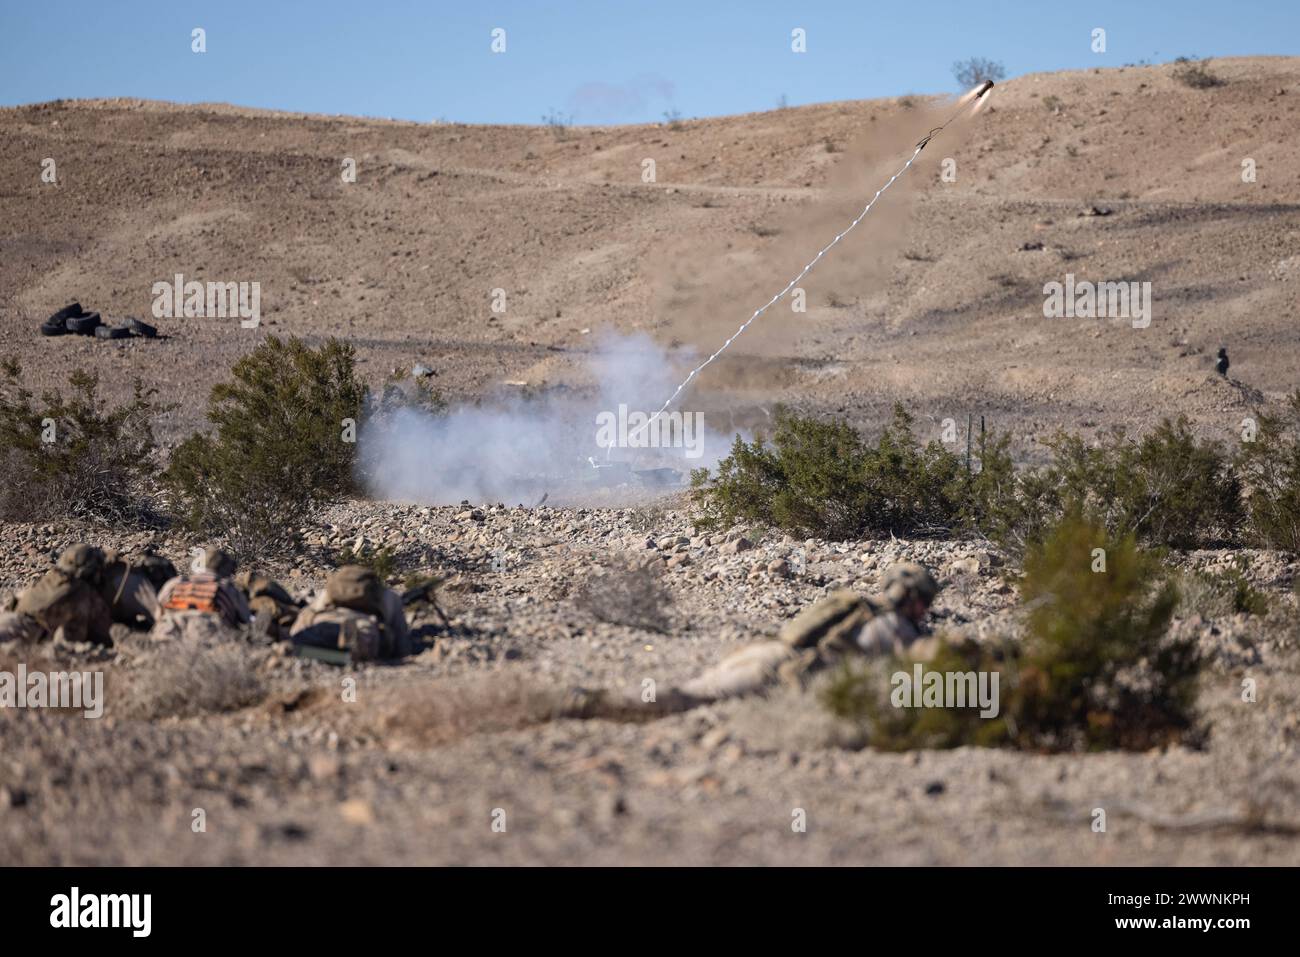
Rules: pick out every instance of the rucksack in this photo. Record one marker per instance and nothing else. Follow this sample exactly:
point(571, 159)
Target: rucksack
point(356, 587)
point(156, 568)
point(194, 594)
point(829, 621)
point(342, 629)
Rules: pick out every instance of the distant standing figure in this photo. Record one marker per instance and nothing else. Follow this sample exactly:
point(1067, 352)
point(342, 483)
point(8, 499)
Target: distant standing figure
point(1222, 364)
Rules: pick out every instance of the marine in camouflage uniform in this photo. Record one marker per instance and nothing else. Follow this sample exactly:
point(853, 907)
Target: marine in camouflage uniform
point(131, 589)
point(842, 625)
point(202, 603)
point(69, 597)
point(355, 614)
point(274, 609)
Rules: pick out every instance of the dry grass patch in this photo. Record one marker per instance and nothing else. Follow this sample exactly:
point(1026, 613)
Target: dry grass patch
point(186, 679)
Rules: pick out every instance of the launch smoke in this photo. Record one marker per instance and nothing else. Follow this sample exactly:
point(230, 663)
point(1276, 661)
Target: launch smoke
point(516, 445)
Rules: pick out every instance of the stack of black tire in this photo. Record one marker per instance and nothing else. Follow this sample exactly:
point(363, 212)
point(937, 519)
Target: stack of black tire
point(73, 320)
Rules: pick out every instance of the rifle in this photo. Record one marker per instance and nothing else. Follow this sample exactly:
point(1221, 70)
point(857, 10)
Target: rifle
point(425, 591)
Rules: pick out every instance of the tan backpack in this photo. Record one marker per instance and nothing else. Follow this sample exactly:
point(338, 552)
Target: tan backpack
point(831, 622)
point(356, 587)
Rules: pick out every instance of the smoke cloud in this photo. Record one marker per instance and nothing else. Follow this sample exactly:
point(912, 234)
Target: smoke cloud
point(574, 444)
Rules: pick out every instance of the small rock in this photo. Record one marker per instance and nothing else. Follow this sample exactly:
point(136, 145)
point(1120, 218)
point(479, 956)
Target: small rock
point(734, 546)
point(357, 811)
point(323, 767)
point(964, 566)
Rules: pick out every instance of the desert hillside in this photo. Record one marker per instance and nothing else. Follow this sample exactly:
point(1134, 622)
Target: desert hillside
point(935, 300)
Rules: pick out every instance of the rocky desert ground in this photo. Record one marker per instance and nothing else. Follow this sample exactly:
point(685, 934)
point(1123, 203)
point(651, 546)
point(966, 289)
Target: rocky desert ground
point(936, 302)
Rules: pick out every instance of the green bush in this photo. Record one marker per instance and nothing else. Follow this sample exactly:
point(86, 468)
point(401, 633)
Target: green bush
point(1097, 668)
point(73, 456)
point(382, 561)
point(992, 505)
point(1269, 467)
point(1167, 488)
point(1219, 594)
point(822, 478)
point(859, 692)
point(1186, 493)
point(279, 445)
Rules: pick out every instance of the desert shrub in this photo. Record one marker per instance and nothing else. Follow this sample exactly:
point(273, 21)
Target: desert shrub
point(822, 478)
point(388, 415)
point(558, 123)
point(990, 505)
point(1097, 668)
point(1202, 594)
point(1269, 467)
point(1195, 74)
point(382, 561)
point(631, 595)
point(1186, 493)
point(913, 488)
point(976, 70)
point(1167, 488)
point(403, 390)
point(1246, 598)
point(279, 445)
point(73, 456)
point(1222, 593)
point(860, 693)
point(190, 678)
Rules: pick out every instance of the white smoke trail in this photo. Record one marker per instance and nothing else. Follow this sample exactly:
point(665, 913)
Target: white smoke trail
point(977, 94)
point(790, 285)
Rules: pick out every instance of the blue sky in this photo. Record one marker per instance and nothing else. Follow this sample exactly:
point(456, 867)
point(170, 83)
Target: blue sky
point(610, 61)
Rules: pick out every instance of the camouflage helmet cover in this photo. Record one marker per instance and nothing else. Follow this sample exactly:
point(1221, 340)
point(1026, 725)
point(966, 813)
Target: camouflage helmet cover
point(219, 562)
point(906, 580)
point(81, 561)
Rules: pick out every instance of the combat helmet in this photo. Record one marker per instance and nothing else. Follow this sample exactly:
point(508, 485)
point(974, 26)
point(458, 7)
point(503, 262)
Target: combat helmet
point(218, 561)
point(84, 562)
point(905, 580)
